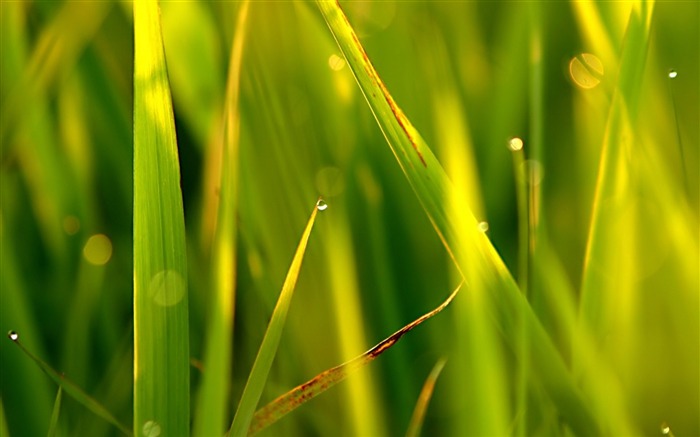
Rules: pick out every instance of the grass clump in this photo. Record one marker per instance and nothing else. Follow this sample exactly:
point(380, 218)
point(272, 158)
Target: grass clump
point(157, 162)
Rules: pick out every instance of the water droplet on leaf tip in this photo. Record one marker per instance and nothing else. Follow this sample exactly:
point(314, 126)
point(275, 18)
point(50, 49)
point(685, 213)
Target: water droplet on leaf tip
point(13, 335)
point(151, 429)
point(483, 226)
point(672, 74)
point(321, 205)
point(515, 144)
point(665, 429)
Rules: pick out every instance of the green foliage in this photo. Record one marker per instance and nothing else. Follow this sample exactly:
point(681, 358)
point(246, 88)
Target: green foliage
point(595, 219)
point(161, 322)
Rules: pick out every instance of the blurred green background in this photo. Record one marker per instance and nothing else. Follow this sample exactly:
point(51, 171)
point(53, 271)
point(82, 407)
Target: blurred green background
point(470, 76)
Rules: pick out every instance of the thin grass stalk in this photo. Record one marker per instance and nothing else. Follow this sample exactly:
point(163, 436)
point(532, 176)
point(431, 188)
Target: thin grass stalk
point(213, 399)
point(266, 354)
point(53, 423)
point(426, 393)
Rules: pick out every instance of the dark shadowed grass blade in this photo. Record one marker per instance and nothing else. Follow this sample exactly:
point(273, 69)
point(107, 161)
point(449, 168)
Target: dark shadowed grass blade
point(73, 390)
point(3, 421)
point(474, 255)
point(423, 399)
point(161, 334)
point(53, 424)
point(213, 403)
point(289, 401)
point(261, 367)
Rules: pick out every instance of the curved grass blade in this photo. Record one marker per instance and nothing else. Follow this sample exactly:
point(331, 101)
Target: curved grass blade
point(53, 424)
point(261, 367)
point(423, 399)
point(294, 398)
point(214, 401)
point(161, 331)
point(73, 390)
point(474, 255)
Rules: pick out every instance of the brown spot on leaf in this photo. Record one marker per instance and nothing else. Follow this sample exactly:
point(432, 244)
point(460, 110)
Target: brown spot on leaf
point(289, 401)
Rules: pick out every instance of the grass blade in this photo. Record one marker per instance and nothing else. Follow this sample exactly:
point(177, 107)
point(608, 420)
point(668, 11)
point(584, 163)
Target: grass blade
point(294, 398)
point(161, 346)
point(3, 421)
point(475, 257)
point(53, 424)
point(610, 291)
point(268, 348)
point(213, 404)
point(73, 390)
point(423, 399)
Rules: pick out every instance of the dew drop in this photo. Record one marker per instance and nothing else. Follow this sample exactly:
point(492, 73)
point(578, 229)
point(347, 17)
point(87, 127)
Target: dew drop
point(586, 70)
point(321, 205)
point(665, 429)
point(13, 335)
point(483, 226)
point(98, 250)
point(515, 144)
point(672, 74)
point(71, 224)
point(336, 63)
point(532, 172)
point(151, 429)
point(167, 288)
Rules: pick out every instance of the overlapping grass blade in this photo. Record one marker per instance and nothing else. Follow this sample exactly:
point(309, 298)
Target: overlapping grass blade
point(426, 393)
point(214, 404)
point(59, 46)
point(161, 334)
point(73, 390)
point(476, 258)
point(263, 361)
point(303, 393)
point(610, 291)
point(53, 424)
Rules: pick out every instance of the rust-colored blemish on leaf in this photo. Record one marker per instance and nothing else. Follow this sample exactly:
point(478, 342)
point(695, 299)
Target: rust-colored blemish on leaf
point(377, 81)
point(289, 401)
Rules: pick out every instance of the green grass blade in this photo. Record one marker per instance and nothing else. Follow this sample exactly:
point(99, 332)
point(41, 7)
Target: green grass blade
point(477, 259)
point(161, 346)
point(614, 254)
point(426, 393)
point(53, 424)
point(268, 348)
point(214, 405)
point(73, 390)
point(3, 421)
point(303, 393)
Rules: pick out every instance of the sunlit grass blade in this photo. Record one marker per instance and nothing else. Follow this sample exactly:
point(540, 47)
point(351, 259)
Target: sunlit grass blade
point(161, 333)
point(53, 424)
point(214, 402)
point(303, 393)
point(615, 253)
point(70, 388)
point(426, 393)
point(477, 260)
point(268, 348)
